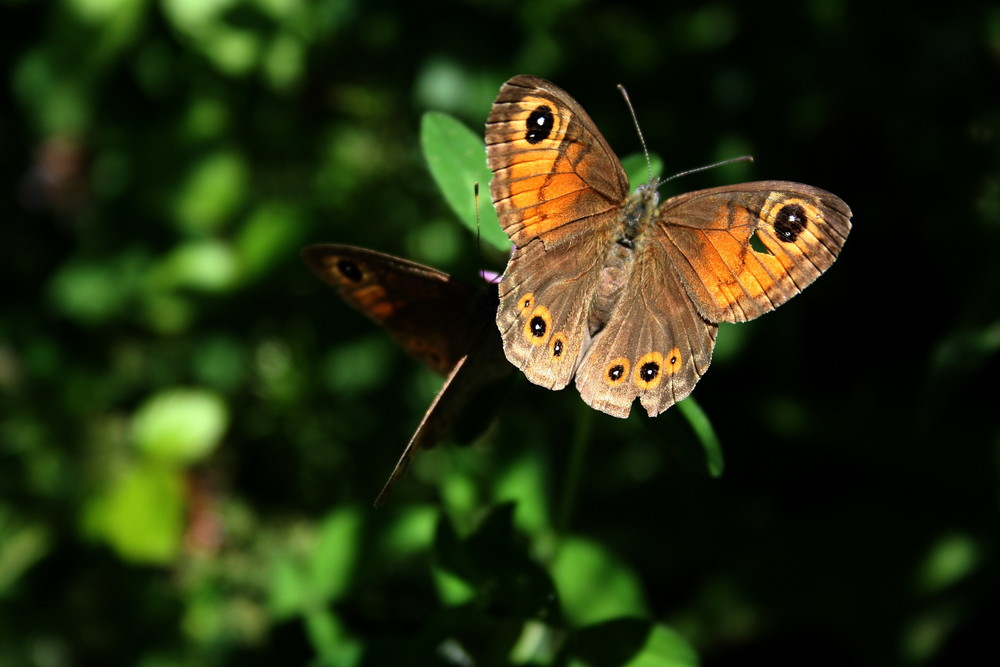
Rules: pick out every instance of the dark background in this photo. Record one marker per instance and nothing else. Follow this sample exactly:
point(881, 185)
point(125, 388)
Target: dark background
point(192, 427)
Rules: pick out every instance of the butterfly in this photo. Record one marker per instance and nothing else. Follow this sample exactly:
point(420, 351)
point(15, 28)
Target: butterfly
point(445, 323)
point(618, 292)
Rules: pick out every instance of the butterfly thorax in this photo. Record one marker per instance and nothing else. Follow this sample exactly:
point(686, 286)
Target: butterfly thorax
point(638, 212)
point(635, 218)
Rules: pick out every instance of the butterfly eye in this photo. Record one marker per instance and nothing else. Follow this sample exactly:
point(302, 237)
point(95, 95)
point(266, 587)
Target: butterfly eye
point(558, 345)
point(790, 222)
point(349, 270)
point(617, 372)
point(539, 125)
point(423, 350)
point(536, 328)
point(649, 370)
point(526, 302)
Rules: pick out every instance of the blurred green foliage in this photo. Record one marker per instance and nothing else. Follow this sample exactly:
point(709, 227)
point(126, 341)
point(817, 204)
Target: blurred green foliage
point(192, 428)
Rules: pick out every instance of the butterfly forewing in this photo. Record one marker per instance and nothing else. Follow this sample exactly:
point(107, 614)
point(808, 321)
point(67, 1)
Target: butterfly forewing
point(554, 175)
point(710, 234)
point(424, 310)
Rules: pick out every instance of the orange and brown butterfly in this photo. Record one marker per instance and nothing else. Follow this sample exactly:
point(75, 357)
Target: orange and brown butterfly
point(440, 321)
point(619, 291)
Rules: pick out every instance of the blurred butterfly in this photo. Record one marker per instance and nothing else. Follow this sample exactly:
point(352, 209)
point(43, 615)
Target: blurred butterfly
point(443, 322)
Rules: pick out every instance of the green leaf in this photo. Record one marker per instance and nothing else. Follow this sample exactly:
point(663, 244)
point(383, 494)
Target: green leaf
point(494, 563)
point(22, 544)
point(287, 591)
point(335, 555)
point(331, 640)
point(212, 191)
point(523, 480)
point(457, 160)
point(303, 580)
point(702, 428)
point(410, 532)
point(665, 648)
point(952, 558)
point(180, 426)
point(452, 590)
point(637, 170)
point(270, 234)
point(140, 514)
point(95, 291)
point(594, 585)
point(630, 642)
point(204, 264)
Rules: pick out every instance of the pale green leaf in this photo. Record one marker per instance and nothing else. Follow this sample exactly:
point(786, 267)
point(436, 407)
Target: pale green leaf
point(457, 160)
point(180, 426)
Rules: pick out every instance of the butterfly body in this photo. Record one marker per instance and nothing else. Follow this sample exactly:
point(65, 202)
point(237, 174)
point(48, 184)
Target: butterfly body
point(628, 242)
point(620, 293)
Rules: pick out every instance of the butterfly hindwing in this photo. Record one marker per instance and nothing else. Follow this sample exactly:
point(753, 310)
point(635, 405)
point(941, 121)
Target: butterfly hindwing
point(654, 347)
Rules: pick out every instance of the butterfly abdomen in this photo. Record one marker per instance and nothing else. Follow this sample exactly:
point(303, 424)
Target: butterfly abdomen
point(635, 219)
point(615, 275)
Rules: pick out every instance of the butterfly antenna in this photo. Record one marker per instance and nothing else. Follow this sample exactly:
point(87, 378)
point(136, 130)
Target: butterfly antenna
point(642, 139)
point(742, 158)
point(479, 233)
point(488, 276)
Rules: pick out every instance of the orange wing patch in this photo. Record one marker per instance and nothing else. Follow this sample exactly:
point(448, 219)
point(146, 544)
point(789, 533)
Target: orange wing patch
point(729, 270)
point(540, 183)
point(374, 301)
point(745, 252)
